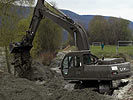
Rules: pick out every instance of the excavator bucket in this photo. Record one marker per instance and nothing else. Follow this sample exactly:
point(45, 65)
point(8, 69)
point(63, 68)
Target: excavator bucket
point(18, 48)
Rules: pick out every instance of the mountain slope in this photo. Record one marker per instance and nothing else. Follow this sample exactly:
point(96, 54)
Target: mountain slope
point(82, 19)
point(85, 19)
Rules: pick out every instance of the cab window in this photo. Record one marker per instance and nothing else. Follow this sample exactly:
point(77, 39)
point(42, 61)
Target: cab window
point(67, 64)
point(87, 59)
point(77, 61)
point(70, 62)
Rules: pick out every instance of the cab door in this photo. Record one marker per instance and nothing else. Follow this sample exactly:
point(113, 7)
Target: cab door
point(67, 67)
point(78, 68)
point(89, 66)
point(72, 67)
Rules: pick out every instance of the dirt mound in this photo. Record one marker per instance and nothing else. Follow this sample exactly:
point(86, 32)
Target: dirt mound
point(46, 84)
point(83, 94)
point(41, 72)
point(12, 88)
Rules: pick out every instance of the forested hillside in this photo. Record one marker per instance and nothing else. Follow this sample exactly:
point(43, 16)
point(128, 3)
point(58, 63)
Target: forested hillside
point(84, 20)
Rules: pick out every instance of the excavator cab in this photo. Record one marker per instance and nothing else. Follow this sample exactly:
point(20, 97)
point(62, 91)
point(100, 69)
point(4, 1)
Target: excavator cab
point(72, 65)
point(82, 65)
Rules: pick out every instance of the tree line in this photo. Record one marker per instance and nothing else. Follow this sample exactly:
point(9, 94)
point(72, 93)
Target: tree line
point(109, 30)
point(13, 27)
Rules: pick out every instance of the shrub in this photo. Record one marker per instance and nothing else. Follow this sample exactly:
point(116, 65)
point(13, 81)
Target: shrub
point(47, 57)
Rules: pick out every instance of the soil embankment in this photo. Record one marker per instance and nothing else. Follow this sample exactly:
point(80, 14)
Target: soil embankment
point(48, 84)
point(48, 88)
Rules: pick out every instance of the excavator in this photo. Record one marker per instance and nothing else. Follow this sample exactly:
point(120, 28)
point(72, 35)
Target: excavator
point(79, 65)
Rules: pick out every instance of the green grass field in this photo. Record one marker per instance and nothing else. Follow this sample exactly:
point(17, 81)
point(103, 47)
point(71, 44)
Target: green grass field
point(112, 51)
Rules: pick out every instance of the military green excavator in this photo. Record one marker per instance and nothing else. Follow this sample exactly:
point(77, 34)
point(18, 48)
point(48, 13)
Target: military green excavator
point(79, 65)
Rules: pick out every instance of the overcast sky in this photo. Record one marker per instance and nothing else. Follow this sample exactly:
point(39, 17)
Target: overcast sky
point(117, 8)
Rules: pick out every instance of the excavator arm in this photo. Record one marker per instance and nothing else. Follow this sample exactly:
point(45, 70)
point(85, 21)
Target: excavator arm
point(21, 50)
point(77, 32)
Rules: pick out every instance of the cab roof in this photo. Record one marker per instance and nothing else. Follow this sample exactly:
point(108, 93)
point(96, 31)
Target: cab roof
point(79, 52)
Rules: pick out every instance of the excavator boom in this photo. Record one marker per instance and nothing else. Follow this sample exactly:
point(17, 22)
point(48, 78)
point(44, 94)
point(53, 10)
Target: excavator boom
point(40, 11)
point(21, 50)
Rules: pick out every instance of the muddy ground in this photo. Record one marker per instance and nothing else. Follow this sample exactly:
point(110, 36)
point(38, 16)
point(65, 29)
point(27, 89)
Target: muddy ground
point(125, 92)
point(48, 84)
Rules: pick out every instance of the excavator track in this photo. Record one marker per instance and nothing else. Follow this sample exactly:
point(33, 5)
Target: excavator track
point(105, 87)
